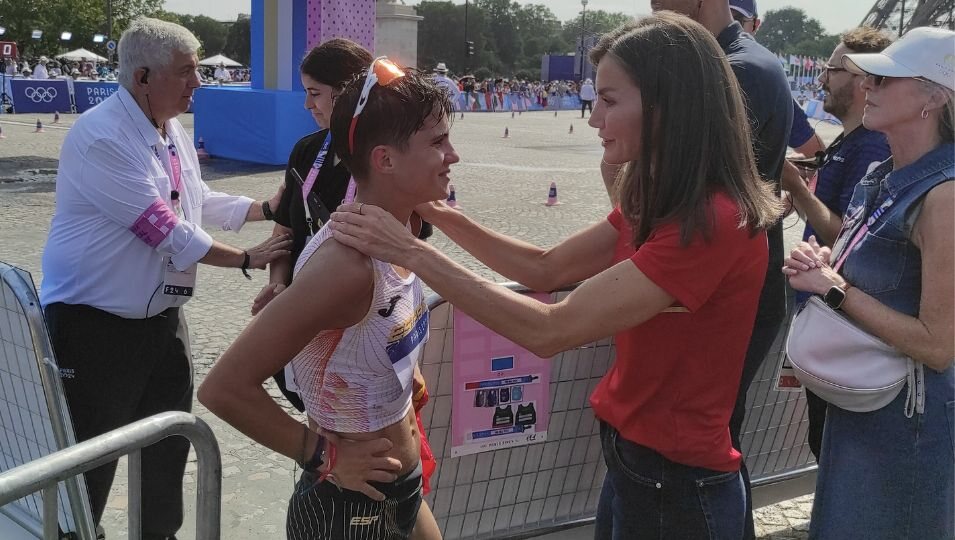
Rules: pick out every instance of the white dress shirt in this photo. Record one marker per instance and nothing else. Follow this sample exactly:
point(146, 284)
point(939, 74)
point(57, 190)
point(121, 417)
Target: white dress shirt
point(587, 92)
point(114, 176)
point(39, 72)
point(446, 82)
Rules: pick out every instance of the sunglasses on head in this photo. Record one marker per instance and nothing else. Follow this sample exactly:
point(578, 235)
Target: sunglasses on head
point(381, 71)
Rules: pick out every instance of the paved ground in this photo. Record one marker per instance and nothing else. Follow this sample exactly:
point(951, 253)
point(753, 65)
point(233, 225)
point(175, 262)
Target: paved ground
point(501, 182)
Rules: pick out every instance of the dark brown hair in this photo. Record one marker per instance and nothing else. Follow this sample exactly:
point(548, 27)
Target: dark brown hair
point(695, 133)
point(335, 62)
point(392, 115)
point(865, 39)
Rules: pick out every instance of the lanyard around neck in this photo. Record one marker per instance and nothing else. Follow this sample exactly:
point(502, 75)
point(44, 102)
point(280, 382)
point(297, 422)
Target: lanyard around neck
point(176, 165)
point(878, 213)
point(312, 177)
point(316, 167)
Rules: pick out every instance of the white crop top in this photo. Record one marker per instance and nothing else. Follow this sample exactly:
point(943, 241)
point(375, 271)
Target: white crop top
point(358, 379)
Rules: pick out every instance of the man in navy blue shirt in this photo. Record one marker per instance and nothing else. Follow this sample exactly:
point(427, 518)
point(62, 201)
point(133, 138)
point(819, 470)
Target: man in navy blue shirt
point(802, 138)
point(854, 153)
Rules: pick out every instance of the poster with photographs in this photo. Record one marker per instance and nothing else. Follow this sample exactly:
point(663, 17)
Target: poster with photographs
point(501, 392)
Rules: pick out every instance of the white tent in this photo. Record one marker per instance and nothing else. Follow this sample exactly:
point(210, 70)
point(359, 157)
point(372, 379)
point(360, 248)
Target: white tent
point(81, 54)
point(214, 61)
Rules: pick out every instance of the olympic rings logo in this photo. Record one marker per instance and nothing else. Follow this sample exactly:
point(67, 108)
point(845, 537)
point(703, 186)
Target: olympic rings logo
point(40, 94)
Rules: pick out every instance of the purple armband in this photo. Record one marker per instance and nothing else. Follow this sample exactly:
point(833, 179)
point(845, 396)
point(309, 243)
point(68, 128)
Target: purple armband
point(155, 223)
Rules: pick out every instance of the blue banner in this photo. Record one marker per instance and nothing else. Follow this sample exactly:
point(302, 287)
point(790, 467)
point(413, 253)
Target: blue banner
point(89, 94)
point(40, 96)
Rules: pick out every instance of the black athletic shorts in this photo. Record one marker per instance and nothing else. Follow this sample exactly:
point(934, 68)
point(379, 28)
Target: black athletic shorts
point(323, 511)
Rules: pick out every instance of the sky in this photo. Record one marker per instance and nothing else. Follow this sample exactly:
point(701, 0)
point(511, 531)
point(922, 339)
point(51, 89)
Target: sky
point(835, 16)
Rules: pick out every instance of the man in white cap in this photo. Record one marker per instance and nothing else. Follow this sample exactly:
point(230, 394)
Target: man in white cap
point(40, 72)
point(587, 97)
point(222, 74)
point(441, 79)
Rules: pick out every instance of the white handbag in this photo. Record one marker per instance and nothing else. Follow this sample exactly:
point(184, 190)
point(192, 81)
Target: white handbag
point(845, 365)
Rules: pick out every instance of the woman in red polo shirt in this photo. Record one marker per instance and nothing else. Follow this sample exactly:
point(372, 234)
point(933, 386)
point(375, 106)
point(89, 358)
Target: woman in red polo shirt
point(674, 273)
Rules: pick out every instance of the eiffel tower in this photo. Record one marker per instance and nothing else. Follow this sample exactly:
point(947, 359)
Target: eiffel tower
point(900, 15)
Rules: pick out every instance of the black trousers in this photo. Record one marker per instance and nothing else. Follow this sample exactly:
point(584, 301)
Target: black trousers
point(584, 105)
point(116, 371)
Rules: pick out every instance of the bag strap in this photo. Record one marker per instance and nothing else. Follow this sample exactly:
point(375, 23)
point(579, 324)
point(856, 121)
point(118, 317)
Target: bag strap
point(880, 210)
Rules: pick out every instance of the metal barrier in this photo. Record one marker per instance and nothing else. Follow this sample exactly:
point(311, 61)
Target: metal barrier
point(38, 449)
point(44, 473)
point(530, 490)
point(34, 420)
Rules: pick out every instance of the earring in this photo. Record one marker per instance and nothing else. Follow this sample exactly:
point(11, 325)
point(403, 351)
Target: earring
point(924, 113)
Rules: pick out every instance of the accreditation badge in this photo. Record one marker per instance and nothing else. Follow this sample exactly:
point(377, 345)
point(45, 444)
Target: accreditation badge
point(178, 283)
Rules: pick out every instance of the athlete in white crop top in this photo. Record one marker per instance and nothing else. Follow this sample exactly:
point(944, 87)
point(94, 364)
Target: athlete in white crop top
point(358, 379)
point(352, 328)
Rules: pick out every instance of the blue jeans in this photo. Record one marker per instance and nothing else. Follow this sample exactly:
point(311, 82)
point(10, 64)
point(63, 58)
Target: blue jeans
point(646, 496)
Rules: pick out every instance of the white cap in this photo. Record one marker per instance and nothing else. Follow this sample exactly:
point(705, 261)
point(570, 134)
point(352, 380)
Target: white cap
point(442, 68)
point(922, 52)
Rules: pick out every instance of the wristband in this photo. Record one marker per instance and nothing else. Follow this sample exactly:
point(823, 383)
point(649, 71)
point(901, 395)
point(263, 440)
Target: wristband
point(332, 455)
point(267, 211)
point(245, 265)
point(318, 456)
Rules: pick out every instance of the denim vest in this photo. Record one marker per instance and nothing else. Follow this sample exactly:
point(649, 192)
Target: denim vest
point(886, 264)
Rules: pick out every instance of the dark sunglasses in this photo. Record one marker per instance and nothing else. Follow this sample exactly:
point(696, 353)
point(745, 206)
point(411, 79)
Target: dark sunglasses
point(880, 80)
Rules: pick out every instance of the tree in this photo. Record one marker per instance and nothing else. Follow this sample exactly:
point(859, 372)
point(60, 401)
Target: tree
point(82, 18)
point(508, 37)
point(211, 33)
point(540, 31)
point(820, 47)
point(783, 29)
point(597, 22)
point(168, 16)
point(124, 12)
point(441, 37)
point(502, 29)
point(238, 44)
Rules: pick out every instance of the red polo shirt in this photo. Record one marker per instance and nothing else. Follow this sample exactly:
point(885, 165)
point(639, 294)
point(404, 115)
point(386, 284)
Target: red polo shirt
point(673, 384)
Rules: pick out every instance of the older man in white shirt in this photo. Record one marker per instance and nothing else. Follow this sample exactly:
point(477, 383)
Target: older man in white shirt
point(441, 79)
point(587, 97)
point(40, 72)
point(123, 254)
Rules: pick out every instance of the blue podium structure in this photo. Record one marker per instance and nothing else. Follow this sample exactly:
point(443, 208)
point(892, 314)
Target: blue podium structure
point(261, 123)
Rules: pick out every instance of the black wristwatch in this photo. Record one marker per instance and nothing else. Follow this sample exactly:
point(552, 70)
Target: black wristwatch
point(267, 211)
point(835, 296)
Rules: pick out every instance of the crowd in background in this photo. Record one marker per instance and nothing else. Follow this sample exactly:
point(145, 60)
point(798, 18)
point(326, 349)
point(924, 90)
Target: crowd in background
point(91, 69)
point(45, 68)
point(541, 92)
